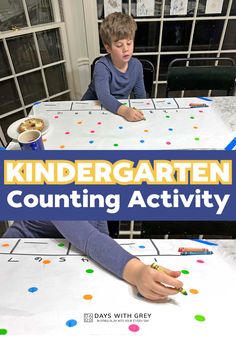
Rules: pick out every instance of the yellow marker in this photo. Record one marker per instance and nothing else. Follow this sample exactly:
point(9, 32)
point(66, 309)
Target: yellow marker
point(160, 269)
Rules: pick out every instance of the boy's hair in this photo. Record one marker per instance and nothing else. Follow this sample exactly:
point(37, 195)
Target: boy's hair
point(117, 26)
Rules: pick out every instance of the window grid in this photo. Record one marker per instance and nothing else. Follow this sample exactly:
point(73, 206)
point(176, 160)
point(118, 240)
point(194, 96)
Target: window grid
point(4, 36)
point(189, 52)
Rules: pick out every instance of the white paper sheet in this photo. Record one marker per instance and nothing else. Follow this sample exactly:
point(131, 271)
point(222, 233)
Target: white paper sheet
point(111, 6)
point(214, 6)
point(71, 295)
point(178, 7)
point(145, 8)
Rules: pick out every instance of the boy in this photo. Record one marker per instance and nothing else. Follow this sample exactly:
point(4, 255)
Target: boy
point(117, 74)
point(91, 237)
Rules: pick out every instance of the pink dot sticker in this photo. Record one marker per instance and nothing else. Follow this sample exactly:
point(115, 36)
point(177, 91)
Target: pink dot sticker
point(67, 133)
point(134, 328)
point(56, 117)
point(99, 123)
point(168, 143)
point(92, 131)
point(200, 261)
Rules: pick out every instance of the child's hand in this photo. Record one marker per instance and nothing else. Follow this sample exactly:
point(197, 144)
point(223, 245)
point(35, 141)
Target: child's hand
point(130, 114)
point(152, 284)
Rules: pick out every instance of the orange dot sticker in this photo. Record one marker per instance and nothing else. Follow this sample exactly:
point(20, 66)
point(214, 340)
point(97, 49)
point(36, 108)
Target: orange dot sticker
point(193, 291)
point(5, 245)
point(146, 130)
point(87, 297)
point(62, 146)
point(46, 261)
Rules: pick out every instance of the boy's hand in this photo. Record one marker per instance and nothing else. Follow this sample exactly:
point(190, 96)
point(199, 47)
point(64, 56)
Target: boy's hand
point(152, 284)
point(130, 114)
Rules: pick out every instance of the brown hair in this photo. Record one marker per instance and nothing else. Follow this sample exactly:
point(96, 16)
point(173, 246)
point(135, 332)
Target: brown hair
point(117, 26)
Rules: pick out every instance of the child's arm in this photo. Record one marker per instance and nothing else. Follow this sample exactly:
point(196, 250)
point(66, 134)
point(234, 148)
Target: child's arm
point(151, 284)
point(130, 114)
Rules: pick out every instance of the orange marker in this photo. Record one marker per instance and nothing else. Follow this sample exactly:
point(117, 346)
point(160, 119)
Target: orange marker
point(186, 249)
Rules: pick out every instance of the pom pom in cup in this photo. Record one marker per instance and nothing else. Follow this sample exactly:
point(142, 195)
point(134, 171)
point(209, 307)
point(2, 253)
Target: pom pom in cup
point(31, 140)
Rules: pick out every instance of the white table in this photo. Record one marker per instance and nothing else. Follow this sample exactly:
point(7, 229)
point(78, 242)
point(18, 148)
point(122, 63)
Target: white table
point(169, 124)
point(49, 288)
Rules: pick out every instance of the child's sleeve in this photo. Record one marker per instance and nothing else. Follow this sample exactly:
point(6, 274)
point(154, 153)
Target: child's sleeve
point(95, 244)
point(102, 77)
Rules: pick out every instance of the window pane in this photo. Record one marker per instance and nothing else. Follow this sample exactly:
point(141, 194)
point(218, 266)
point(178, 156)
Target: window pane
point(50, 46)
point(164, 62)
point(23, 53)
point(64, 97)
point(32, 87)
point(9, 99)
point(6, 122)
point(11, 14)
point(233, 8)
point(152, 59)
point(147, 37)
point(176, 35)
point(202, 9)
point(157, 9)
point(39, 11)
point(207, 35)
point(56, 79)
point(4, 65)
point(230, 35)
point(190, 9)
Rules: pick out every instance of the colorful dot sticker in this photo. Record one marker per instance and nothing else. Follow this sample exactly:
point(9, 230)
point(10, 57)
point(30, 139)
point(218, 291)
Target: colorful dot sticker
point(79, 122)
point(3, 331)
point(67, 133)
point(91, 141)
point(192, 117)
point(92, 131)
point(194, 291)
point(71, 323)
point(33, 289)
point(201, 111)
point(5, 245)
point(200, 261)
point(61, 245)
point(168, 143)
point(146, 130)
point(120, 127)
point(200, 318)
point(99, 123)
point(167, 116)
point(115, 145)
point(195, 127)
point(170, 129)
point(87, 297)
point(89, 271)
point(184, 271)
point(134, 328)
point(142, 141)
point(197, 139)
point(46, 261)
point(56, 117)
point(62, 146)
point(141, 246)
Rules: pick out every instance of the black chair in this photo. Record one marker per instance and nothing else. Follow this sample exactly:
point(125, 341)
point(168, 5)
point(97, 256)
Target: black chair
point(148, 74)
point(188, 229)
point(201, 77)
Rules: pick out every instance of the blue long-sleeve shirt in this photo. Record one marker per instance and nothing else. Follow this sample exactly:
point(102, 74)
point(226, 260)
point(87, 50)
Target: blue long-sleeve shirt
point(109, 84)
point(90, 237)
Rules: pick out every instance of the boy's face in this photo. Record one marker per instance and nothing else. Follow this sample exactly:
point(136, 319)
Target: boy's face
point(121, 51)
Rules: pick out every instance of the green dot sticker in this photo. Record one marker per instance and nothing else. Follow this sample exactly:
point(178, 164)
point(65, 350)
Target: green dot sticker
point(200, 318)
point(197, 139)
point(192, 117)
point(167, 116)
point(116, 144)
point(3, 331)
point(184, 271)
point(89, 270)
point(61, 245)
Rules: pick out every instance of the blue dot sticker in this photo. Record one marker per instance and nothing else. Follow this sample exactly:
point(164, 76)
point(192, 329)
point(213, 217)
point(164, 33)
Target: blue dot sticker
point(142, 141)
point(71, 323)
point(141, 246)
point(33, 289)
point(91, 141)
